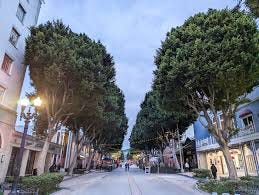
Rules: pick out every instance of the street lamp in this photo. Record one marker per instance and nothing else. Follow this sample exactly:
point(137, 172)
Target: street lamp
point(27, 116)
point(180, 148)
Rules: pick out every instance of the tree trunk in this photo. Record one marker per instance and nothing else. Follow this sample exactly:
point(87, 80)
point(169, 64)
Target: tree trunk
point(96, 157)
point(175, 160)
point(74, 152)
point(229, 161)
point(90, 161)
point(42, 157)
point(72, 165)
point(86, 160)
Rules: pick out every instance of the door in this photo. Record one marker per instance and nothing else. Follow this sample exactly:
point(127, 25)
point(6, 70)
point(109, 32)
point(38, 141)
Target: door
point(11, 166)
point(30, 163)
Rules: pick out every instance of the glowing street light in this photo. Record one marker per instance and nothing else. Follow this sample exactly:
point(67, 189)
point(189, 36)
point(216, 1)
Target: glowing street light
point(28, 116)
point(37, 102)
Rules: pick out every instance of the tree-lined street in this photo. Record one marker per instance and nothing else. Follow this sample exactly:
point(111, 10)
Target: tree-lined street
point(127, 100)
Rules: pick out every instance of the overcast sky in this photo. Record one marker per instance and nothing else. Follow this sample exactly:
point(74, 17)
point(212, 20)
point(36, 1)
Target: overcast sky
point(131, 30)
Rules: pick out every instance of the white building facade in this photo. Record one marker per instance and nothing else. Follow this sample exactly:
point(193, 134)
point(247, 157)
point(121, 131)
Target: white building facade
point(16, 17)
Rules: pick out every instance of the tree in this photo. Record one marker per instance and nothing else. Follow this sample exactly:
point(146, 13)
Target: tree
point(253, 6)
point(115, 120)
point(65, 66)
point(155, 127)
point(208, 64)
point(112, 122)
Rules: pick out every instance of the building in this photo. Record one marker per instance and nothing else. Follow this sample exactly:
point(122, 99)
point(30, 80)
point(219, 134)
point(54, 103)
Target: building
point(244, 145)
point(63, 159)
point(189, 153)
point(16, 17)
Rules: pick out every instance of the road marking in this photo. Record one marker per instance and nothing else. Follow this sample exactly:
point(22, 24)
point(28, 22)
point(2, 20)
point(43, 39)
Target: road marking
point(134, 188)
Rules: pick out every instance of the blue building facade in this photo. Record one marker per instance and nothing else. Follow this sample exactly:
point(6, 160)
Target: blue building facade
point(244, 145)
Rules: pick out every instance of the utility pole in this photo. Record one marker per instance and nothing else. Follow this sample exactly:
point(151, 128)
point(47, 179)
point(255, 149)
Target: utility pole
point(180, 148)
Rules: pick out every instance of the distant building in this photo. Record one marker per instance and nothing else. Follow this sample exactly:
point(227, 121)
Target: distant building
point(188, 148)
point(16, 17)
point(244, 145)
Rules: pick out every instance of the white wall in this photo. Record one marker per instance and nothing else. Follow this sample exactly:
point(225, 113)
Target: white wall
point(13, 81)
point(8, 20)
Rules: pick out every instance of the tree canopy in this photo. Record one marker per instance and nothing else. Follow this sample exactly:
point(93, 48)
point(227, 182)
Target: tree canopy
point(152, 122)
point(253, 6)
point(75, 77)
point(209, 64)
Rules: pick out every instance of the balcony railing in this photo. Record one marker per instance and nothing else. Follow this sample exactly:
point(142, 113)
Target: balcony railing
point(211, 140)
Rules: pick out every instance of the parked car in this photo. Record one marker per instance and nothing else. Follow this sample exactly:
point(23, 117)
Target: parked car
point(107, 164)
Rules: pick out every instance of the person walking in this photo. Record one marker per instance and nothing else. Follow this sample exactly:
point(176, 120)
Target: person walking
point(126, 166)
point(214, 171)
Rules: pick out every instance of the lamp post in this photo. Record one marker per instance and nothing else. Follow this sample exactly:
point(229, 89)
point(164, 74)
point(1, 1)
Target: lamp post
point(27, 119)
point(180, 148)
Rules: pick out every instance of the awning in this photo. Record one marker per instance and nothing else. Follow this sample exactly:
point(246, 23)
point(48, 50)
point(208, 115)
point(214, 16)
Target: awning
point(245, 113)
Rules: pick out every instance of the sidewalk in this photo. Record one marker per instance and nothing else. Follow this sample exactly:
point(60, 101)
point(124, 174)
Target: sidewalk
point(182, 180)
point(72, 184)
point(68, 177)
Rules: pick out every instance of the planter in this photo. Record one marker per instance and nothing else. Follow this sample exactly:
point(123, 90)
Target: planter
point(167, 170)
point(79, 171)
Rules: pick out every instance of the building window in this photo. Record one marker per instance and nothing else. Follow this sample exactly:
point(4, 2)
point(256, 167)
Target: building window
point(248, 120)
point(14, 36)
point(20, 13)
point(2, 91)
point(6, 65)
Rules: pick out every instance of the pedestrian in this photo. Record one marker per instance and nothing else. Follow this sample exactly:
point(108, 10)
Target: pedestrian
point(53, 168)
point(187, 166)
point(126, 166)
point(214, 171)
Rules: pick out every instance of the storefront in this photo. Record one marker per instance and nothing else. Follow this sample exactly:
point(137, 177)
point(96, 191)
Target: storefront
point(242, 156)
point(33, 148)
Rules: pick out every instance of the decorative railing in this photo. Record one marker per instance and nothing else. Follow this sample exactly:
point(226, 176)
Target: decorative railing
point(211, 140)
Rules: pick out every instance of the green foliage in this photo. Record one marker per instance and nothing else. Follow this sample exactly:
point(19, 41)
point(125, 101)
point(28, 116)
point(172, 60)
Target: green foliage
point(253, 6)
point(153, 121)
point(69, 72)
point(227, 186)
point(209, 64)
point(202, 173)
point(115, 120)
point(254, 179)
point(75, 77)
point(45, 183)
point(212, 56)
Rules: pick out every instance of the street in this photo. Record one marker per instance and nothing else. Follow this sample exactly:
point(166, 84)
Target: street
point(134, 182)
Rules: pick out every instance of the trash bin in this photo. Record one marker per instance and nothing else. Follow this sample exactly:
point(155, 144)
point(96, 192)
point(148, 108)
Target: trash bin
point(147, 170)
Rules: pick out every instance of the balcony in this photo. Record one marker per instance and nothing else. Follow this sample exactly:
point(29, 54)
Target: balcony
point(210, 141)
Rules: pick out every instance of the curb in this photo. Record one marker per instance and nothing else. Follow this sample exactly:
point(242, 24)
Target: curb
point(184, 175)
point(199, 190)
point(72, 177)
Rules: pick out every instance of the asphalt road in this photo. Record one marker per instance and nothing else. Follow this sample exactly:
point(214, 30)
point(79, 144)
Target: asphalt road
point(134, 182)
